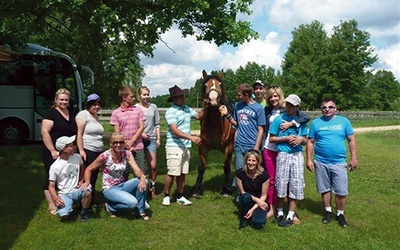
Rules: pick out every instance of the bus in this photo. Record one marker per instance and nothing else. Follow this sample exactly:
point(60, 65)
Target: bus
point(29, 77)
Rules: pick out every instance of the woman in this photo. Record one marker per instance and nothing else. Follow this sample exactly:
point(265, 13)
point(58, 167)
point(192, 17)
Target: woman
point(120, 193)
point(90, 136)
point(275, 107)
point(59, 121)
point(252, 182)
point(151, 134)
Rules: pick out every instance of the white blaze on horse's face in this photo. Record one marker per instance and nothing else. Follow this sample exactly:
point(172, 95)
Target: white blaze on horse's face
point(214, 90)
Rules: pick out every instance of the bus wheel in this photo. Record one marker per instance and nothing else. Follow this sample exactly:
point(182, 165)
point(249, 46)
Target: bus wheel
point(13, 131)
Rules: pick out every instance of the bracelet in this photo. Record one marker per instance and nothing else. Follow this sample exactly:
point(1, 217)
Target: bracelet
point(229, 117)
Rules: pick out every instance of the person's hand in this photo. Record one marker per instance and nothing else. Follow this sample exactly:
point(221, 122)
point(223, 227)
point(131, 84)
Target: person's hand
point(83, 155)
point(145, 137)
point(54, 154)
point(285, 125)
point(158, 143)
point(223, 110)
point(59, 202)
point(310, 166)
point(196, 140)
point(142, 185)
point(352, 165)
point(295, 140)
point(249, 214)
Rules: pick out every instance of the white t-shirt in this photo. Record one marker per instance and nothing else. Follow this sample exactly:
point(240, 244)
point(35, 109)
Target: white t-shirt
point(66, 173)
point(269, 145)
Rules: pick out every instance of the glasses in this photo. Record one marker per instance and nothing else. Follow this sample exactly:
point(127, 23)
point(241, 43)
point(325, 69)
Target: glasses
point(118, 142)
point(253, 150)
point(327, 107)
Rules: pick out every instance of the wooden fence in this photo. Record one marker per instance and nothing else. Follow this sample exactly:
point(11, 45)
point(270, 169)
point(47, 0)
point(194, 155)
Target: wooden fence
point(351, 115)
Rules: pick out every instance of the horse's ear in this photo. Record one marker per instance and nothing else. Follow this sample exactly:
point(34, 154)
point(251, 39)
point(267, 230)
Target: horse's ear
point(204, 74)
point(221, 74)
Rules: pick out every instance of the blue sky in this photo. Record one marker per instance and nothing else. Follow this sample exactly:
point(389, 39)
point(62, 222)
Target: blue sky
point(274, 20)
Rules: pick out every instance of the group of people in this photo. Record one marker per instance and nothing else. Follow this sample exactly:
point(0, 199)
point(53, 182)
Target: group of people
point(270, 134)
point(268, 149)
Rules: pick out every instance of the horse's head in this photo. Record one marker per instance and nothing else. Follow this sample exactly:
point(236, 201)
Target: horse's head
point(213, 89)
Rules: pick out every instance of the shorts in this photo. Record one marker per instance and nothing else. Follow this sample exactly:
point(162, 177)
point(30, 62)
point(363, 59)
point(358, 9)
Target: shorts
point(331, 177)
point(177, 160)
point(150, 145)
point(289, 178)
point(75, 195)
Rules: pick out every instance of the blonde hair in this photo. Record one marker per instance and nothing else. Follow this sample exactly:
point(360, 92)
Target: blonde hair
point(141, 88)
point(271, 91)
point(257, 154)
point(61, 91)
point(116, 135)
point(125, 90)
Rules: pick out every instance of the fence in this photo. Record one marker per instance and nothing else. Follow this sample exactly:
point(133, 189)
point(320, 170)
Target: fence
point(105, 114)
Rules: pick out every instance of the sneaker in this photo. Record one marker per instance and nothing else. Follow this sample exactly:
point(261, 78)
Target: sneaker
point(341, 220)
point(242, 224)
point(84, 218)
point(278, 219)
point(146, 205)
point(284, 222)
point(166, 201)
point(183, 201)
point(327, 218)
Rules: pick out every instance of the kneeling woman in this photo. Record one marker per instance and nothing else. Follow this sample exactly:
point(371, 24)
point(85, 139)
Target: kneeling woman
point(252, 182)
point(120, 193)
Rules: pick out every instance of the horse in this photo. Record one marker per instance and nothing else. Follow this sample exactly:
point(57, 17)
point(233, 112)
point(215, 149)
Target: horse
point(216, 132)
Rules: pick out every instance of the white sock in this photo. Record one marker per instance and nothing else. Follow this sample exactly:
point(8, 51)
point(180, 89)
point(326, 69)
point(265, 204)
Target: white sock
point(290, 215)
point(280, 211)
point(328, 209)
point(339, 212)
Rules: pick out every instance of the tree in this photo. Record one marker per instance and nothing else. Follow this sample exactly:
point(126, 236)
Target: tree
point(109, 35)
point(382, 91)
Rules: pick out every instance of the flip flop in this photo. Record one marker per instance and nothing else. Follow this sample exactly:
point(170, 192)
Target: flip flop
point(108, 211)
point(144, 216)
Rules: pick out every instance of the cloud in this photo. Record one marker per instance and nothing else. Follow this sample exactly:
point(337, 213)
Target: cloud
point(389, 59)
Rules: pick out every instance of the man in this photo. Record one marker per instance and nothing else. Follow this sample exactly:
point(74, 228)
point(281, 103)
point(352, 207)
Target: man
point(289, 178)
point(67, 173)
point(326, 139)
point(178, 144)
point(249, 119)
point(259, 91)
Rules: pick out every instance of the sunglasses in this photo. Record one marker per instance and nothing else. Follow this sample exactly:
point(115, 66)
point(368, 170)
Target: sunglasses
point(327, 107)
point(118, 142)
point(253, 150)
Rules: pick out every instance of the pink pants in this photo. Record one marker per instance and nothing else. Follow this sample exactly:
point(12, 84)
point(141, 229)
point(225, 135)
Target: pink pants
point(270, 166)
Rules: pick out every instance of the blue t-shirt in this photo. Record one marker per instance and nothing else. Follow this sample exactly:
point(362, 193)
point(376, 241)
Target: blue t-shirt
point(248, 117)
point(180, 116)
point(330, 136)
point(300, 131)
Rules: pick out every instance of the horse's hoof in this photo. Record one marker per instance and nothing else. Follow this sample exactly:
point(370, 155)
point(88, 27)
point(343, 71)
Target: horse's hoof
point(196, 195)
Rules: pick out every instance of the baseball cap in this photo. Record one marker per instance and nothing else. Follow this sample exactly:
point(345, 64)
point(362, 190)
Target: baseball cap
point(63, 141)
point(293, 99)
point(258, 82)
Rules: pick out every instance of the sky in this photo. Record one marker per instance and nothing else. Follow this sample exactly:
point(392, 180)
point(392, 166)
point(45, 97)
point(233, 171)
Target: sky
point(182, 61)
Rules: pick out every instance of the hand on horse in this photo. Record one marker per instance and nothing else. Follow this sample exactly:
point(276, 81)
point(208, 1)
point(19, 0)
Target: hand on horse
point(196, 140)
point(223, 110)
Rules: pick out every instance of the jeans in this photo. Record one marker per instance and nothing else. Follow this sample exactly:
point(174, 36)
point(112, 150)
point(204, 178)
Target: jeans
point(75, 195)
point(125, 196)
point(245, 204)
point(239, 151)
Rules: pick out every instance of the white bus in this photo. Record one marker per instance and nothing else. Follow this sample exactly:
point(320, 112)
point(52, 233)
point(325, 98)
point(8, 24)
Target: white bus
point(29, 79)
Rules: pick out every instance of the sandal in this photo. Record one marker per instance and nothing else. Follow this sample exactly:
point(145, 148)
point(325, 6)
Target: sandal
point(108, 211)
point(52, 211)
point(144, 216)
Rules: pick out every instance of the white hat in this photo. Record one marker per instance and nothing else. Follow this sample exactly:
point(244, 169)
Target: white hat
point(293, 99)
point(63, 141)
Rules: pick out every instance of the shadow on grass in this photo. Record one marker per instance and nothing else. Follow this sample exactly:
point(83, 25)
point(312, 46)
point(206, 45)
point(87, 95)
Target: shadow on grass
point(22, 174)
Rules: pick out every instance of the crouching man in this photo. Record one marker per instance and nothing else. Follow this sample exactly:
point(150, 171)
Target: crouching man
point(67, 173)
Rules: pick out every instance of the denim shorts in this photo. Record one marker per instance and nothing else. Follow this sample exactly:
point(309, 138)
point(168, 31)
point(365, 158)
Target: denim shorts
point(74, 196)
point(150, 145)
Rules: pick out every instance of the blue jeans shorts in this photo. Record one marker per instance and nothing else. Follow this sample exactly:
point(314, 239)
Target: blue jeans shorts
point(75, 196)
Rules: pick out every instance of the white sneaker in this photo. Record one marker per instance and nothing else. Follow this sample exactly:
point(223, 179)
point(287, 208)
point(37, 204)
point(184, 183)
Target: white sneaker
point(166, 201)
point(146, 205)
point(183, 201)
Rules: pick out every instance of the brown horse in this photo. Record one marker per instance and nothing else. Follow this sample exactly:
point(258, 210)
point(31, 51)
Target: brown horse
point(216, 132)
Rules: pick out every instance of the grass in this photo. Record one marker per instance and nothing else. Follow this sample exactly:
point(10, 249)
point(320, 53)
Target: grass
point(211, 222)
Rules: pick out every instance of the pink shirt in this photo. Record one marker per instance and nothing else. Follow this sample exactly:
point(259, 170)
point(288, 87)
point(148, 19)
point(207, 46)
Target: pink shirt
point(128, 121)
point(113, 173)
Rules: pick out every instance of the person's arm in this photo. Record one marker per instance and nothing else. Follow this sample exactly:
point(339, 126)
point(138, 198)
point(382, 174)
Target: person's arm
point(261, 202)
point(47, 126)
point(138, 173)
point(81, 124)
point(158, 134)
point(136, 136)
point(309, 153)
point(200, 115)
point(93, 166)
point(52, 190)
point(301, 119)
point(224, 112)
point(276, 139)
point(157, 126)
point(351, 139)
point(260, 135)
point(174, 130)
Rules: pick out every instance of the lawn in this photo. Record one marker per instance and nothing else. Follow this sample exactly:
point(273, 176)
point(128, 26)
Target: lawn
point(210, 222)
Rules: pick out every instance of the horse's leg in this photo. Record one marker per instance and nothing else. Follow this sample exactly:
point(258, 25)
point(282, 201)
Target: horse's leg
point(227, 189)
point(197, 191)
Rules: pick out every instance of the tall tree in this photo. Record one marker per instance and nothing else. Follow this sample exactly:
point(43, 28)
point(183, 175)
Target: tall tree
point(381, 91)
point(109, 35)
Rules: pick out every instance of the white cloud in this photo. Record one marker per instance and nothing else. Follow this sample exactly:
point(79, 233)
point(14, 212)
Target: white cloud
point(389, 59)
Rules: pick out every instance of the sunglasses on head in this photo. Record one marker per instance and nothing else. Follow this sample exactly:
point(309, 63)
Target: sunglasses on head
point(253, 150)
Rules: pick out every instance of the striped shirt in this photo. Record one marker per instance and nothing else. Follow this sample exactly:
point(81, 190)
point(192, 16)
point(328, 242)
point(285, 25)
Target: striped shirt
point(180, 116)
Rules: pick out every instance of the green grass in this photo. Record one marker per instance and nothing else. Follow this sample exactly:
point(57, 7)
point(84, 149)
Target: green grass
point(211, 222)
